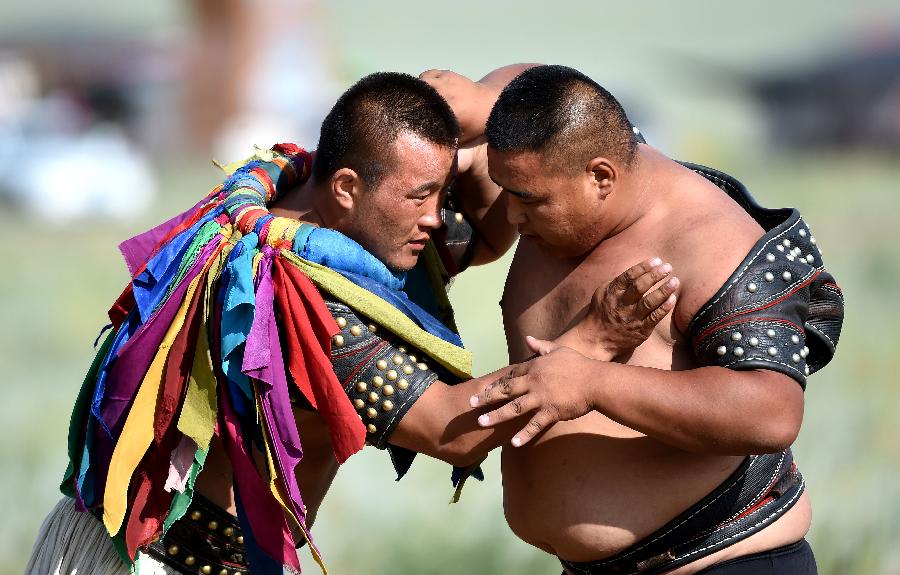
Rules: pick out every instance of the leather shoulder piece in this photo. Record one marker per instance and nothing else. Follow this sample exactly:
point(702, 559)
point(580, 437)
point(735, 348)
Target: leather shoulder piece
point(381, 375)
point(780, 310)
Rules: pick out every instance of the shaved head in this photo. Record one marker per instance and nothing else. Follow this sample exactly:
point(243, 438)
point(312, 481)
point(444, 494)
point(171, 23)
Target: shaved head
point(563, 115)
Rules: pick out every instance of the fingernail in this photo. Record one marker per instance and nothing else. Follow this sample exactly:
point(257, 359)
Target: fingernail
point(483, 419)
point(473, 401)
point(655, 262)
point(517, 441)
point(666, 268)
point(672, 282)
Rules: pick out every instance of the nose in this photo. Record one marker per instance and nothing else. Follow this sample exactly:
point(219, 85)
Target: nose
point(431, 217)
point(515, 213)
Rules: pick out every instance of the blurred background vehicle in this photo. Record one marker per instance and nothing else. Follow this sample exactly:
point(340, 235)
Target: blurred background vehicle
point(110, 114)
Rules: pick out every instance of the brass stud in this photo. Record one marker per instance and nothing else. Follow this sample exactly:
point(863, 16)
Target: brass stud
point(338, 340)
point(398, 359)
point(412, 358)
point(371, 413)
point(378, 381)
point(402, 384)
point(173, 550)
point(391, 375)
point(408, 369)
point(358, 403)
point(388, 390)
point(240, 539)
point(213, 525)
point(402, 349)
point(373, 328)
point(355, 331)
point(189, 560)
point(373, 397)
point(387, 405)
point(196, 515)
point(381, 364)
point(361, 386)
point(228, 531)
point(206, 570)
point(458, 217)
point(371, 428)
point(223, 572)
point(342, 322)
point(422, 366)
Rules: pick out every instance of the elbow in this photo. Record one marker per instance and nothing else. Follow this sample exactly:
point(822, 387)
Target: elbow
point(460, 453)
point(779, 438)
point(775, 435)
point(778, 415)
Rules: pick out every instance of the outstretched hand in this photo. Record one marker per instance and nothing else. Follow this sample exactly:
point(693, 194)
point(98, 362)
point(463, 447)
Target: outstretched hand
point(555, 386)
point(623, 314)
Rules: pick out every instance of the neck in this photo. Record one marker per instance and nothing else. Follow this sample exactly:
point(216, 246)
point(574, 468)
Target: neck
point(634, 199)
point(304, 203)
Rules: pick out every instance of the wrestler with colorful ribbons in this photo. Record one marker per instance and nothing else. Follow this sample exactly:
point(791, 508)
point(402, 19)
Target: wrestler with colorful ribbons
point(196, 351)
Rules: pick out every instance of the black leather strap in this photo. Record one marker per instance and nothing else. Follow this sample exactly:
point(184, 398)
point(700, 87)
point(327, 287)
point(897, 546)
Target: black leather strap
point(757, 493)
point(206, 540)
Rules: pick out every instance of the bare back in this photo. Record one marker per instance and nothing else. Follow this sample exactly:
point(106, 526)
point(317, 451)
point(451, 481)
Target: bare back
point(591, 487)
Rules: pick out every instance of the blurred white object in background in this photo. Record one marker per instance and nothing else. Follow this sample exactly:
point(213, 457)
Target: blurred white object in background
point(57, 162)
point(98, 174)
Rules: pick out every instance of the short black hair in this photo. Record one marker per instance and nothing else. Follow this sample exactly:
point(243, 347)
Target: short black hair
point(561, 112)
point(368, 117)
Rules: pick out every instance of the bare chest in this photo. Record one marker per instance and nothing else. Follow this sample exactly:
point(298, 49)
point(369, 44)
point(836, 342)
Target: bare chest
point(545, 296)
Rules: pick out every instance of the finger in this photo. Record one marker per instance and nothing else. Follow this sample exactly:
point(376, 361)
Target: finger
point(662, 311)
point(658, 297)
point(499, 390)
point(649, 279)
point(539, 422)
point(513, 409)
point(540, 346)
point(624, 280)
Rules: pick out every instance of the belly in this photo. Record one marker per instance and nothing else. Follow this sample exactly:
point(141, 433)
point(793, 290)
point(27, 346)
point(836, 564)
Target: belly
point(590, 488)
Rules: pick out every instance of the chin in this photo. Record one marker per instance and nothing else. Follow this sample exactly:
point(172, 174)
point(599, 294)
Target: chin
point(402, 264)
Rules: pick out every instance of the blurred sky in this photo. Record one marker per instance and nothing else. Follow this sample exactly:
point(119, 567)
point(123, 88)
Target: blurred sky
point(682, 70)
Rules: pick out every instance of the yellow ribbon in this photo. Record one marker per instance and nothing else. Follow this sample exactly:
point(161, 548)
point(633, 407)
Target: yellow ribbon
point(137, 434)
point(198, 412)
point(455, 359)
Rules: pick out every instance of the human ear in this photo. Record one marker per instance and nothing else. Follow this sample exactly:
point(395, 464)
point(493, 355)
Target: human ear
point(603, 174)
point(346, 187)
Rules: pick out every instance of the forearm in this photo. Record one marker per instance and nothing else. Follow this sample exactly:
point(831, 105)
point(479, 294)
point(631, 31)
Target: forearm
point(705, 410)
point(442, 425)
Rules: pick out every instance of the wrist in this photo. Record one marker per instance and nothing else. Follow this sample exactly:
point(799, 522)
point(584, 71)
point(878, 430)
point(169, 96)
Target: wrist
point(588, 339)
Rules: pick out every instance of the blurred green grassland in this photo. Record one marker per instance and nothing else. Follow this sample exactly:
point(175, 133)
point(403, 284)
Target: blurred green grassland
point(58, 282)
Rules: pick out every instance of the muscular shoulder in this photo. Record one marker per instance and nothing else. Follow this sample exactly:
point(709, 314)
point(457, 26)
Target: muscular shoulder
point(707, 245)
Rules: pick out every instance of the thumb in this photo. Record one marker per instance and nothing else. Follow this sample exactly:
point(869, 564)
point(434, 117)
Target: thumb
point(540, 346)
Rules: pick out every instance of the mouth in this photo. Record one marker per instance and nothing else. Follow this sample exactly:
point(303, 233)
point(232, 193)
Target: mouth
point(418, 244)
